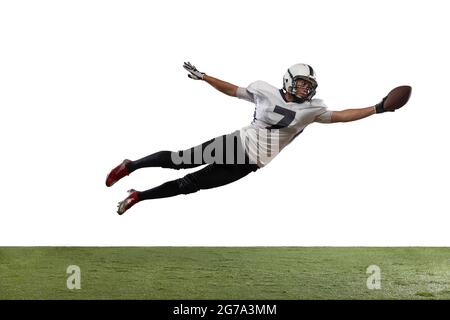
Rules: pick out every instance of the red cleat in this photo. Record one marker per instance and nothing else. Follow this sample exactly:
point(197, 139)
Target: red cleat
point(128, 202)
point(117, 173)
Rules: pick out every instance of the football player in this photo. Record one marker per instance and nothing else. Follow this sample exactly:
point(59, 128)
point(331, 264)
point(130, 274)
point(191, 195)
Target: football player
point(280, 116)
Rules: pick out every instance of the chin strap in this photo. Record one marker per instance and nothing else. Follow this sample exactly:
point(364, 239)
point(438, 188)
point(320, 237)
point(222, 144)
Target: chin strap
point(299, 100)
point(296, 99)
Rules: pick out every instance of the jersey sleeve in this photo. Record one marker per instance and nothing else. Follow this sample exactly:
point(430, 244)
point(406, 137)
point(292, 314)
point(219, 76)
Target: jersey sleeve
point(324, 117)
point(252, 92)
point(323, 114)
point(244, 94)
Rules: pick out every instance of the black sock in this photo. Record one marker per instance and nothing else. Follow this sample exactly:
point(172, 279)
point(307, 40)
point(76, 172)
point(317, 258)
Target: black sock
point(161, 159)
point(168, 189)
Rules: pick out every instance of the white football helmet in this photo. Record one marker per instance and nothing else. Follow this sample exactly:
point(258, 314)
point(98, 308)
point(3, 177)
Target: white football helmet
point(299, 71)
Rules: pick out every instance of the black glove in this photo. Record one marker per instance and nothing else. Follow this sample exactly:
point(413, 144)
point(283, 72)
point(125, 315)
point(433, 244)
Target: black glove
point(379, 107)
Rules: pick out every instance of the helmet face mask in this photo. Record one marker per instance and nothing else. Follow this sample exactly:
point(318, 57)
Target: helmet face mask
point(297, 72)
point(302, 83)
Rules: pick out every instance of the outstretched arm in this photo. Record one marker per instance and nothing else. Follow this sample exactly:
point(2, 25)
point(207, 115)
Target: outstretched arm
point(352, 114)
point(222, 86)
point(356, 114)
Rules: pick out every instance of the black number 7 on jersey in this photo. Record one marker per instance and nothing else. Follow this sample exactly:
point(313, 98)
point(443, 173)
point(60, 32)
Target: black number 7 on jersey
point(288, 117)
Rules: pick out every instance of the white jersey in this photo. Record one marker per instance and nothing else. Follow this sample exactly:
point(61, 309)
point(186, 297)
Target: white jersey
point(276, 122)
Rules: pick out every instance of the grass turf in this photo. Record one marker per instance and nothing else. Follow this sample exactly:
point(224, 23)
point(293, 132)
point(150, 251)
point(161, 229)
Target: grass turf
point(224, 272)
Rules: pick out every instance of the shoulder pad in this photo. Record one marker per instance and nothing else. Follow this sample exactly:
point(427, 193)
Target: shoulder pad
point(318, 103)
point(259, 87)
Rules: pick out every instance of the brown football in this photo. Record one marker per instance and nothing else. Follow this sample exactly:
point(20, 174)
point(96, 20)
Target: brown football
point(397, 98)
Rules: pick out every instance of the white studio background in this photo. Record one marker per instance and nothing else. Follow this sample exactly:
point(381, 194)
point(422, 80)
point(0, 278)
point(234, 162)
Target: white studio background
point(85, 84)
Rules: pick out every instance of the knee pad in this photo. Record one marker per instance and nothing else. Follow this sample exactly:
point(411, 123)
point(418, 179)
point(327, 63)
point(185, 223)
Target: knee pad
point(187, 184)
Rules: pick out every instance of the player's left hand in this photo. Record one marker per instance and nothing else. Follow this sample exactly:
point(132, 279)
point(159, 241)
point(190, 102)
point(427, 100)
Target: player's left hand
point(193, 72)
point(379, 107)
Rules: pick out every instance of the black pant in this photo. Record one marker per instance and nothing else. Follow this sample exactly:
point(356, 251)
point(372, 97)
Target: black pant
point(228, 164)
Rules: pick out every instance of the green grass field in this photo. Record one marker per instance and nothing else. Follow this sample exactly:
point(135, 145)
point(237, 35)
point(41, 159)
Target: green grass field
point(224, 273)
